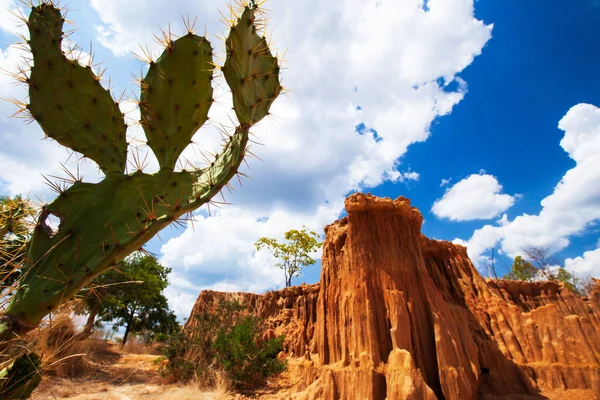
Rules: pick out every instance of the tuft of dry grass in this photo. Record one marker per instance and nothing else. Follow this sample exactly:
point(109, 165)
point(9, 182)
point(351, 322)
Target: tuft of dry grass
point(193, 392)
point(62, 354)
point(95, 368)
point(135, 346)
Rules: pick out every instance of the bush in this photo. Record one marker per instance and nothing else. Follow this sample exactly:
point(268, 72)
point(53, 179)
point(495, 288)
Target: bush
point(239, 353)
point(225, 341)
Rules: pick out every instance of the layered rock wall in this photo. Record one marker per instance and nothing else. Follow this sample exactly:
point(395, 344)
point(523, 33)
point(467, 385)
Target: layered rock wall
point(290, 312)
point(397, 315)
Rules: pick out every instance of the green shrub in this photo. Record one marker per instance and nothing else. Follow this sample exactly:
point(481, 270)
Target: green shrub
point(227, 341)
point(242, 357)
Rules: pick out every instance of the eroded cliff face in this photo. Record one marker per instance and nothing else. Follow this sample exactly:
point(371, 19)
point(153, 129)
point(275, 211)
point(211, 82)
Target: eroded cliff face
point(550, 333)
point(400, 316)
point(291, 312)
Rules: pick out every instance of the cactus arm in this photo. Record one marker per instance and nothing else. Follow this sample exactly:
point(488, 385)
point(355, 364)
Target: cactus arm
point(176, 95)
point(67, 99)
point(211, 180)
point(100, 224)
point(251, 71)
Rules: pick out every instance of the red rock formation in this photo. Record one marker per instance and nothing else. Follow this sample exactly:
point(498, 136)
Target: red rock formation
point(400, 316)
point(380, 310)
point(544, 328)
point(290, 311)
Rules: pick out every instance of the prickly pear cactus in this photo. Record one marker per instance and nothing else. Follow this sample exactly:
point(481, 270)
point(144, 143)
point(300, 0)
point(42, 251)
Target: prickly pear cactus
point(101, 223)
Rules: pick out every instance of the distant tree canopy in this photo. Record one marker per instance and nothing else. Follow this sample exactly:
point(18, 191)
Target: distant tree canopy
point(294, 253)
point(130, 295)
point(538, 265)
point(521, 270)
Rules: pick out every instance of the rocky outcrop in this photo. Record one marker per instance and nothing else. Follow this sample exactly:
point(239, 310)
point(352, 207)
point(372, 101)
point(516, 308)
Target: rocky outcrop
point(290, 312)
point(552, 334)
point(400, 316)
point(381, 309)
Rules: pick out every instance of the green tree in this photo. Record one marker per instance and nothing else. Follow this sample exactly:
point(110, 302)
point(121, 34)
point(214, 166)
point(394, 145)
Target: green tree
point(130, 295)
point(294, 253)
point(521, 270)
point(570, 281)
point(539, 265)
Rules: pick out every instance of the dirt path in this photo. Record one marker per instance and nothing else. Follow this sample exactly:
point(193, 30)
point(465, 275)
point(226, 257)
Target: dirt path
point(111, 375)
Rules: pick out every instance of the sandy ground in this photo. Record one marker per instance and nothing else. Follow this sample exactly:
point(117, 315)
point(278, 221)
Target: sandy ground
point(115, 376)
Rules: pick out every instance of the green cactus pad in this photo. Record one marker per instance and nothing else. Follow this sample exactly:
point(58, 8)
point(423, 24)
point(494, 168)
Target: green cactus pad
point(251, 71)
point(100, 223)
point(67, 99)
point(176, 96)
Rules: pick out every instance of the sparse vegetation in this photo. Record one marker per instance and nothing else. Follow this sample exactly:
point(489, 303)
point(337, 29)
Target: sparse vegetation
point(16, 224)
point(521, 270)
point(227, 341)
point(537, 264)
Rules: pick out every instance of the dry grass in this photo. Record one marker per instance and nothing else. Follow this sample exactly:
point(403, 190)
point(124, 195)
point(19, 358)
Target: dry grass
point(62, 354)
point(117, 375)
point(99, 369)
point(134, 346)
point(80, 391)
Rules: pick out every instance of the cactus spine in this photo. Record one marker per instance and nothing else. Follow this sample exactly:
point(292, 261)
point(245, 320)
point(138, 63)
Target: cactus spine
point(101, 223)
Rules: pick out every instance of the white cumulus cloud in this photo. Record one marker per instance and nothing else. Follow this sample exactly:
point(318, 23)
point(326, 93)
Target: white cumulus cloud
point(350, 63)
point(586, 265)
point(475, 197)
point(10, 17)
point(570, 209)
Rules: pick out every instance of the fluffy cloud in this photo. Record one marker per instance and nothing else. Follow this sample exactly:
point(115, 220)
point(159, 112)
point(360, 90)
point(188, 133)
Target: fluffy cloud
point(218, 252)
point(410, 176)
point(586, 265)
point(570, 209)
point(475, 197)
point(10, 17)
point(384, 64)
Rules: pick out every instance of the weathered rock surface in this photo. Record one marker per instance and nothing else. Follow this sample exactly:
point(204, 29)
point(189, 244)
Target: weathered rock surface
point(290, 312)
point(400, 316)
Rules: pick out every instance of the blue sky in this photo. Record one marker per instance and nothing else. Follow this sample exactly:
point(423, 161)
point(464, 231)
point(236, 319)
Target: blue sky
point(539, 63)
point(457, 107)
